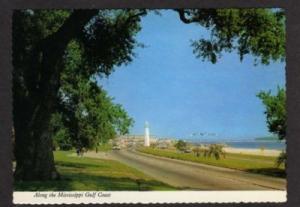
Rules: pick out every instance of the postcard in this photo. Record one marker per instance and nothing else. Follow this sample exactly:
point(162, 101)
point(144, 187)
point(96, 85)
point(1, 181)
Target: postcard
point(149, 106)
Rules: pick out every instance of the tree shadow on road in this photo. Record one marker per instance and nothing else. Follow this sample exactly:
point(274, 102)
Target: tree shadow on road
point(275, 172)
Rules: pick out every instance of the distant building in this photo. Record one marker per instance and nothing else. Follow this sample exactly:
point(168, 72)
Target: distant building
point(164, 143)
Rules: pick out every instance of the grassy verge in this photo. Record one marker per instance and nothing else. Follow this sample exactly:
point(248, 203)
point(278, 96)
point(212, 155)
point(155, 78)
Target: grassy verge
point(250, 163)
point(105, 147)
point(88, 174)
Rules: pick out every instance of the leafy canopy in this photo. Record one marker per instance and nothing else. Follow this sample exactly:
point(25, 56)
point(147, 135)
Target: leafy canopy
point(82, 113)
point(275, 111)
point(258, 32)
point(181, 145)
point(276, 116)
point(88, 113)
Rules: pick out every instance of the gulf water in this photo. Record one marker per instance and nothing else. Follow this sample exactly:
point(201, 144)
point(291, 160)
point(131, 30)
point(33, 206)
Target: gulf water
point(277, 145)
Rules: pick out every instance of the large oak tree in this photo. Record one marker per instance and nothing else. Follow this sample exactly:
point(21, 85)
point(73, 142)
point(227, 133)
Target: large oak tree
point(40, 42)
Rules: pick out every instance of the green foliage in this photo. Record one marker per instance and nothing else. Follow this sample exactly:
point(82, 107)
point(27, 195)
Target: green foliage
point(88, 112)
point(276, 116)
point(104, 147)
point(83, 113)
point(181, 145)
point(258, 32)
point(61, 135)
point(281, 159)
point(108, 40)
point(275, 111)
point(216, 150)
point(196, 151)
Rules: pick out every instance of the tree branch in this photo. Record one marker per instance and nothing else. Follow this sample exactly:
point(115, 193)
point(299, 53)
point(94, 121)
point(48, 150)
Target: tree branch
point(143, 12)
point(183, 18)
point(52, 49)
point(54, 46)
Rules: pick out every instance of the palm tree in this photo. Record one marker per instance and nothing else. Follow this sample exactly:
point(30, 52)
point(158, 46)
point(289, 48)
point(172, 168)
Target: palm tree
point(196, 151)
point(216, 150)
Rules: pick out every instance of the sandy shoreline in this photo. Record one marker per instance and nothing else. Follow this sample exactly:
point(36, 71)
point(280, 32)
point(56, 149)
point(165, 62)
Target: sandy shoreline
point(263, 152)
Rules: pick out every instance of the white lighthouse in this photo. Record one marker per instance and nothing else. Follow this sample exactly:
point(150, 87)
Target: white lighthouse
point(147, 135)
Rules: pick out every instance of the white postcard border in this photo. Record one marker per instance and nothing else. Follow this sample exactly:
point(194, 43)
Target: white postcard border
point(126, 197)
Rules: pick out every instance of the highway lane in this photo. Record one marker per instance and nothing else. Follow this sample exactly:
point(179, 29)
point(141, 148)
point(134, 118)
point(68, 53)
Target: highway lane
point(188, 175)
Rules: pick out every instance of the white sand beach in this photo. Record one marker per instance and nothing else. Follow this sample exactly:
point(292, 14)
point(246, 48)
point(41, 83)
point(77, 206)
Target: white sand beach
point(264, 152)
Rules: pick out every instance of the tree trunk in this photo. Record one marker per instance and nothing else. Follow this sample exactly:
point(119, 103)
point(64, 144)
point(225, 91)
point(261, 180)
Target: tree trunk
point(32, 112)
point(34, 154)
point(33, 149)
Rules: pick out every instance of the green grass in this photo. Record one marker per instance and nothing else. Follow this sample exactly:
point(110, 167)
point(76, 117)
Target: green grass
point(89, 174)
point(105, 147)
point(250, 163)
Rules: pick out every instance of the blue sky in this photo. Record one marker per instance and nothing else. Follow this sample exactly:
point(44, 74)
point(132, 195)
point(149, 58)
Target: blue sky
point(179, 94)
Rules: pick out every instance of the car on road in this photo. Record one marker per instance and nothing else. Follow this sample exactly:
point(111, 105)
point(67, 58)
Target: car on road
point(187, 151)
point(116, 148)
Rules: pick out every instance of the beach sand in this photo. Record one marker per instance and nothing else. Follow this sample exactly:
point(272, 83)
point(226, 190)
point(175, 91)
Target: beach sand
point(263, 152)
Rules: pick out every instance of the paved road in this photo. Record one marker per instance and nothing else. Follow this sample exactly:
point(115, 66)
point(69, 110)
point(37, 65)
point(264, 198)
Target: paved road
point(197, 176)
